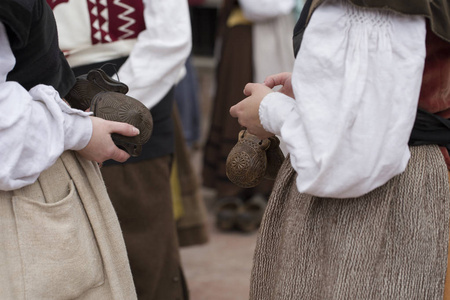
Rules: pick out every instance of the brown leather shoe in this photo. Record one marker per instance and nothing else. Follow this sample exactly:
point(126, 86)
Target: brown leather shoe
point(250, 216)
point(227, 211)
point(122, 108)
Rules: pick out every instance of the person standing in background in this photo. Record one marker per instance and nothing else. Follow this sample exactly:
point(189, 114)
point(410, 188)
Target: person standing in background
point(148, 42)
point(60, 237)
point(253, 42)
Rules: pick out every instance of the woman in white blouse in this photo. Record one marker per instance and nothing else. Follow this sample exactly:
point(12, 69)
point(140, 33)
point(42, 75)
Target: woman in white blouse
point(347, 218)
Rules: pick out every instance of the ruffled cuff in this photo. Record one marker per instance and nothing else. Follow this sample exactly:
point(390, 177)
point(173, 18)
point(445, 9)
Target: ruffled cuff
point(78, 131)
point(77, 127)
point(273, 111)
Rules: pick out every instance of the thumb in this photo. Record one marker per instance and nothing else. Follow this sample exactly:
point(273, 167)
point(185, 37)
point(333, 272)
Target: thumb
point(248, 89)
point(123, 129)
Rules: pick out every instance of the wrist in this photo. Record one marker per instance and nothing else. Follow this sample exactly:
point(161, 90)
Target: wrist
point(274, 110)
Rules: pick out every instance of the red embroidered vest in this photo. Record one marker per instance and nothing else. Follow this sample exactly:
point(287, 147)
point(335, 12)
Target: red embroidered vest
point(112, 20)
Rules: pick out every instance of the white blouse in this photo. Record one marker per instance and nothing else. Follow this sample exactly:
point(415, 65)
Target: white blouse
point(356, 82)
point(35, 126)
point(156, 57)
point(261, 10)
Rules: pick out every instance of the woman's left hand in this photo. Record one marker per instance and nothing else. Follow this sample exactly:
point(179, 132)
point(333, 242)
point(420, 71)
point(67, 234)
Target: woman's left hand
point(247, 110)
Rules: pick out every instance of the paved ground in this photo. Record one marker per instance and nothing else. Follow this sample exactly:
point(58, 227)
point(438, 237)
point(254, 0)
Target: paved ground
point(220, 269)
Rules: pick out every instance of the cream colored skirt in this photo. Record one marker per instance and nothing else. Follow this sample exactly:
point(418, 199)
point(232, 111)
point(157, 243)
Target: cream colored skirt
point(60, 238)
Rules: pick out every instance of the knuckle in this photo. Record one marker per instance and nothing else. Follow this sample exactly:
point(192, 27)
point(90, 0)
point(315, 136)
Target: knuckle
point(110, 152)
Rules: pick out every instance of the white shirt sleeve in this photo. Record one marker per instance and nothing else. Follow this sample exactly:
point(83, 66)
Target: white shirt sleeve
point(160, 53)
point(35, 126)
point(356, 82)
point(260, 10)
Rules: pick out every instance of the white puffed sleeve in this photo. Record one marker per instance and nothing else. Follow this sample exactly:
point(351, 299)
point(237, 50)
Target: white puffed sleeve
point(356, 82)
point(36, 126)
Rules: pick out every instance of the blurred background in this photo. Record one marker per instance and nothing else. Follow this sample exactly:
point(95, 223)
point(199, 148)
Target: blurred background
point(223, 60)
point(220, 268)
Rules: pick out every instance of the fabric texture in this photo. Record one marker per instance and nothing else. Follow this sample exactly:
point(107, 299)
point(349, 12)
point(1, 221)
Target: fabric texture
point(141, 195)
point(234, 71)
point(382, 245)
point(390, 243)
point(347, 104)
point(139, 188)
point(99, 31)
point(192, 219)
point(187, 99)
point(437, 13)
point(38, 125)
point(272, 51)
point(34, 42)
point(61, 238)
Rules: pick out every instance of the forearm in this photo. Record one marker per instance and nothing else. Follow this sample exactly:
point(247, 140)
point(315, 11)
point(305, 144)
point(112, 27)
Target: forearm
point(35, 126)
point(35, 131)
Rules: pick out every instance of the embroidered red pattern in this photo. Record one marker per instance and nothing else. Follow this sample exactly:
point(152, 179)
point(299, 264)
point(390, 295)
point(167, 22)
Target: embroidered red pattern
point(113, 20)
point(54, 3)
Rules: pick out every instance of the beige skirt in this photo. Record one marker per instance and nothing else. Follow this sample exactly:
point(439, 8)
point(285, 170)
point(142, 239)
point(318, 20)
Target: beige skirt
point(391, 243)
point(60, 238)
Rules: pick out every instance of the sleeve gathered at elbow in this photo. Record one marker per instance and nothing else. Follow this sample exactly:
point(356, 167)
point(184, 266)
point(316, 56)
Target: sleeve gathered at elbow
point(36, 132)
point(356, 98)
point(36, 126)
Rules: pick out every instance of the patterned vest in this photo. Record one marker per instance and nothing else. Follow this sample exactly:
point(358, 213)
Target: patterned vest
point(105, 31)
point(109, 27)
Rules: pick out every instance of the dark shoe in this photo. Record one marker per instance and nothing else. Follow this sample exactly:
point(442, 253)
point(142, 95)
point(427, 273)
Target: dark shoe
point(227, 210)
point(122, 108)
point(249, 219)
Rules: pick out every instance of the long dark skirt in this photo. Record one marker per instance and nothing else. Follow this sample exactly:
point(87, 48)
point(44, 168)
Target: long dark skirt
point(235, 70)
point(141, 195)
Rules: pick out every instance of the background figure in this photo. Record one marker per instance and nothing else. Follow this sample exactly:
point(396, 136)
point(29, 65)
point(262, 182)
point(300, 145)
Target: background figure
point(254, 41)
point(189, 207)
point(187, 99)
point(60, 237)
point(148, 42)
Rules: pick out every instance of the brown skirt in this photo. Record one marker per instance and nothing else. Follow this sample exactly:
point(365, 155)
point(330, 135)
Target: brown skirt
point(141, 195)
point(234, 71)
point(388, 244)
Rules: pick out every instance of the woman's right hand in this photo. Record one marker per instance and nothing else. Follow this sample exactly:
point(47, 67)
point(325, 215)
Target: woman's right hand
point(283, 79)
point(101, 146)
